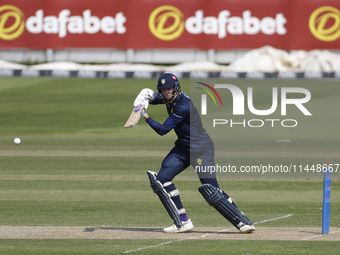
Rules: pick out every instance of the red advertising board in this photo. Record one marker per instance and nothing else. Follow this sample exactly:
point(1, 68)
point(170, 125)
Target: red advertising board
point(175, 24)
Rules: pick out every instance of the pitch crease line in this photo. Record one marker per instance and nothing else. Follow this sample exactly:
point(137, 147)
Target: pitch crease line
point(316, 236)
point(278, 218)
point(202, 236)
point(179, 240)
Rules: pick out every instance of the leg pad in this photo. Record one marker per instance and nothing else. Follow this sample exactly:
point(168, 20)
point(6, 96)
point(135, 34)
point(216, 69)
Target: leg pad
point(165, 198)
point(215, 198)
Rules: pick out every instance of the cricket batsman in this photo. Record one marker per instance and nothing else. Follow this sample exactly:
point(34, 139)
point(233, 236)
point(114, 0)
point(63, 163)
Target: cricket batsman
point(193, 147)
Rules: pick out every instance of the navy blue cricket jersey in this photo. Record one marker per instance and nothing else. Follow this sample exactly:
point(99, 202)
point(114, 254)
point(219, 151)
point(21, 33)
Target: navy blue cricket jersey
point(185, 120)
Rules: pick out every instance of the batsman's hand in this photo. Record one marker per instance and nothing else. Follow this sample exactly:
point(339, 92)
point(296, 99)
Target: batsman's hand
point(143, 113)
point(144, 97)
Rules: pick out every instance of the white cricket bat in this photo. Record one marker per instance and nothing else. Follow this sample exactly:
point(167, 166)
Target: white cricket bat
point(134, 116)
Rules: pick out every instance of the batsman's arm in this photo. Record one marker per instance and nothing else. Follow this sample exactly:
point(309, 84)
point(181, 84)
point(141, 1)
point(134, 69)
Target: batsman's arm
point(160, 129)
point(172, 121)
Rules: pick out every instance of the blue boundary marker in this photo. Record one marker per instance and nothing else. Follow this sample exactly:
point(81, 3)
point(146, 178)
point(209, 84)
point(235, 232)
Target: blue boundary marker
point(326, 199)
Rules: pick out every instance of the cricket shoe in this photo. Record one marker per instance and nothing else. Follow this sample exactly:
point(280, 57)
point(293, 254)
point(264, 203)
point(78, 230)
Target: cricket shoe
point(247, 229)
point(187, 226)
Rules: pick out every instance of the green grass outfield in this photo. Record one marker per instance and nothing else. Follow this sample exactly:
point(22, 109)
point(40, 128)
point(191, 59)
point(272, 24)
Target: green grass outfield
point(77, 166)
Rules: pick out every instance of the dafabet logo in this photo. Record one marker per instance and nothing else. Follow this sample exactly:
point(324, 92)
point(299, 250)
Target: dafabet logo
point(324, 23)
point(167, 23)
point(12, 22)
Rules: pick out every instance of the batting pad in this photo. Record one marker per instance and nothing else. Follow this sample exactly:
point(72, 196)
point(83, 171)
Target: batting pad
point(216, 199)
point(165, 198)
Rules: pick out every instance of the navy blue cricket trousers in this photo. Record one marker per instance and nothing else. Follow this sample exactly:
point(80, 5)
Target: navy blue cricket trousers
point(178, 160)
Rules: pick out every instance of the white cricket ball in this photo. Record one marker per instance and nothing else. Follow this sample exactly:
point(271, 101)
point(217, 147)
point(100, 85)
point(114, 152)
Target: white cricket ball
point(17, 140)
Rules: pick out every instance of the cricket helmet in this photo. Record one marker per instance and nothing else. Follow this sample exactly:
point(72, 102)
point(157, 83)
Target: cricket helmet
point(168, 80)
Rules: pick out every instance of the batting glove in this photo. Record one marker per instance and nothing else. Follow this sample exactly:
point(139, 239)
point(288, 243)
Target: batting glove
point(144, 97)
point(143, 113)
